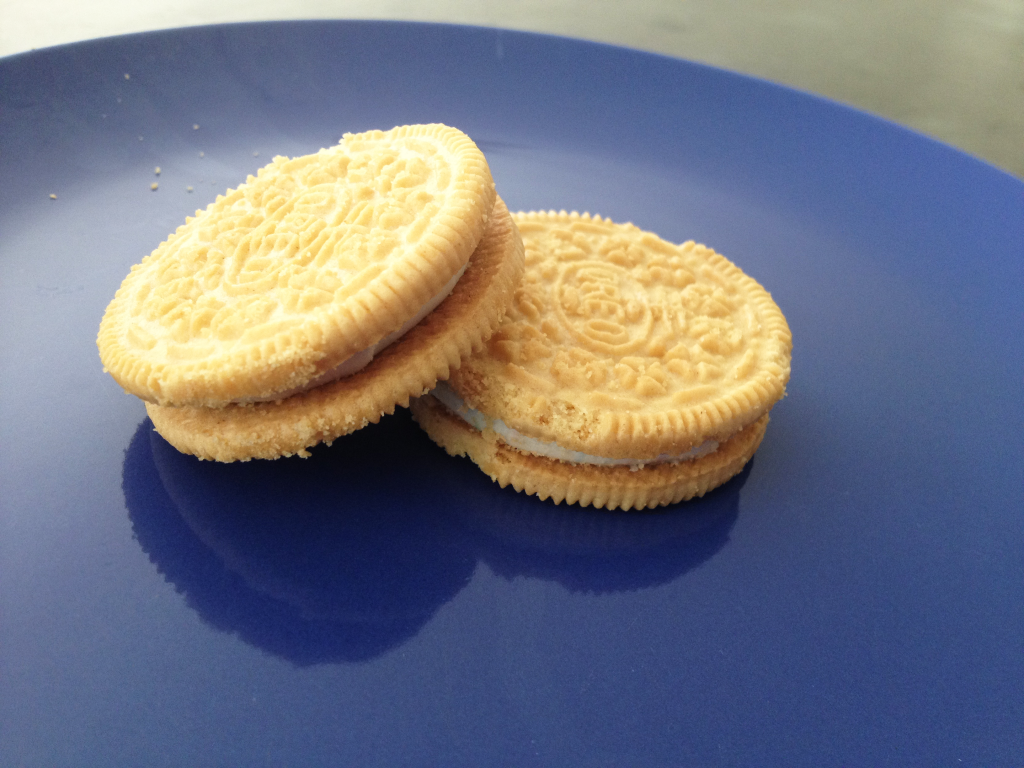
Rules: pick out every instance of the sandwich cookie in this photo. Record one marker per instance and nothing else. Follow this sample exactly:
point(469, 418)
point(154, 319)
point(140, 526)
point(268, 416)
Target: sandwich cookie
point(304, 274)
point(629, 372)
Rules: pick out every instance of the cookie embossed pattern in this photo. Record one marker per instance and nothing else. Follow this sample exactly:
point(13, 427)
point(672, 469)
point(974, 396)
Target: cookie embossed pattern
point(298, 269)
point(629, 372)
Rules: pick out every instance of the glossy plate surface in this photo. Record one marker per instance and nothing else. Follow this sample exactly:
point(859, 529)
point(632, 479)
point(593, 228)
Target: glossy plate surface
point(855, 597)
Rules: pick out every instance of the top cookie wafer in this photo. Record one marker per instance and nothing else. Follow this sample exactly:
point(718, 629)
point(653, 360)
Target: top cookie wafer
point(621, 345)
point(311, 261)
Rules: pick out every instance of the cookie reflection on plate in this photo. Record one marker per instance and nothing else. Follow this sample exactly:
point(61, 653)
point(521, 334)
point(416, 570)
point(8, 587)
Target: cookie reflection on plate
point(339, 557)
point(585, 549)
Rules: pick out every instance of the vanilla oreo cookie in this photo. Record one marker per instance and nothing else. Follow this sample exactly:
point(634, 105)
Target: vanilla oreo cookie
point(628, 373)
point(302, 273)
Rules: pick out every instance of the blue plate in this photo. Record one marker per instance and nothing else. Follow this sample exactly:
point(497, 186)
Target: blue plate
point(855, 597)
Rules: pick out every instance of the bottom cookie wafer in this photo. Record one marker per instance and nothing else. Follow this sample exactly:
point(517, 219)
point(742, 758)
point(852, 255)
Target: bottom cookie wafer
point(587, 485)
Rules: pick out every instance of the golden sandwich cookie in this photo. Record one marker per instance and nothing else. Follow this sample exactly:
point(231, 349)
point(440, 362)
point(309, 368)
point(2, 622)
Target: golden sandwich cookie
point(302, 276)
point(628, 373)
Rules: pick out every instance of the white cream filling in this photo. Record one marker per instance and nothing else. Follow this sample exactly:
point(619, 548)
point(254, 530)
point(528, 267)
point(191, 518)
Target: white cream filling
point(480, 421)
point(363, 358)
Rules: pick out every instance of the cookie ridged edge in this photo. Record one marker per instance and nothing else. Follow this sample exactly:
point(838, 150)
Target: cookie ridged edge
point(587, 485)
point(287, 361)
point(644, 436)
point(409, 367)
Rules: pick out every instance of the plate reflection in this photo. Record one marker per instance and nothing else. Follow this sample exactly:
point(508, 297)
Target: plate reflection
point(348, 554)
point(592, 551)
